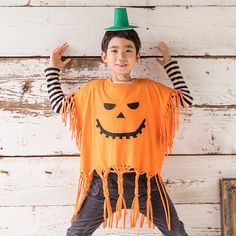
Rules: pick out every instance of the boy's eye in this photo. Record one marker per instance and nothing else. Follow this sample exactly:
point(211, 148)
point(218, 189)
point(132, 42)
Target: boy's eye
point(126, 51)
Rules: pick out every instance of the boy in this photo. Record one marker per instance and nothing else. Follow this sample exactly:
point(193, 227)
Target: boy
point(123, 127)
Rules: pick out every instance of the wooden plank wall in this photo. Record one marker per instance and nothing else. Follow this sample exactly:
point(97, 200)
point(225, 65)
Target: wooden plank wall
point(39, 163)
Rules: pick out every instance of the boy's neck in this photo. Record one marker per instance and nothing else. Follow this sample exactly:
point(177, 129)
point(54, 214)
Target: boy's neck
point(124, 78)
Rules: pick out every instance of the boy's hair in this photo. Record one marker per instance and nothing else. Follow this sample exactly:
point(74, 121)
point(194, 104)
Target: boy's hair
point(127, 34)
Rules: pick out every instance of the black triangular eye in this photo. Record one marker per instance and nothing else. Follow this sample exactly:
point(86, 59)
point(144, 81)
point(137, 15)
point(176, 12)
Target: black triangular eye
point(109, 106)
point(133, 105)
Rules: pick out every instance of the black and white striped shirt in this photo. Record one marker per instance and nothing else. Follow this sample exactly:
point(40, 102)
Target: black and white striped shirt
point(57, 97)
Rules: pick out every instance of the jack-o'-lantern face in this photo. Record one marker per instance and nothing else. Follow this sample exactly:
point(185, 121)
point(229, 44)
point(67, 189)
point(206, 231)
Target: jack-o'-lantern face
point(119, 114)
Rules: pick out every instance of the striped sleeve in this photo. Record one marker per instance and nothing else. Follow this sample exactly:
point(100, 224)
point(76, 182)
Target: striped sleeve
point(174, 73)
point(56, 95)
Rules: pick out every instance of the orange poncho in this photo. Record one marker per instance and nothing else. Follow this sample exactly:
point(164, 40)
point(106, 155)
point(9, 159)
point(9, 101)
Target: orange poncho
point(123, 126)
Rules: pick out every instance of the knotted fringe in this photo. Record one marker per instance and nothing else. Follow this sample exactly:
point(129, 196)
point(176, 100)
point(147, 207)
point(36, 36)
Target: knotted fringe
point(83, 186)
point(69, 106)
point(149, 205)
point(121, 201)
point(107, 214)
point(165, 202)
point(134, 211)
point(171, 120)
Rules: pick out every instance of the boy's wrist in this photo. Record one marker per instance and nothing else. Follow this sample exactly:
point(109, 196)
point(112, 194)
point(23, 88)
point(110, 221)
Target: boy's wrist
point(167, 61)
point(171, 62)
point(52, 68)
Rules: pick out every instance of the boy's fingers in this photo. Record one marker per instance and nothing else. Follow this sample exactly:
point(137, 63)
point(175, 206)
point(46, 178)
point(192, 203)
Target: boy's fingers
point(54, 50)
point(66, 61)
point(58, 48)
point(63, 49)
point(158, 60)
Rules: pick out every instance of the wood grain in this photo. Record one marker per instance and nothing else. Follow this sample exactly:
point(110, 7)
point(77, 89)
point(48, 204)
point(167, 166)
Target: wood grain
point(189, 31)
point(27, 115)
point(118, 3)
point(200, 220)
point(26, 181)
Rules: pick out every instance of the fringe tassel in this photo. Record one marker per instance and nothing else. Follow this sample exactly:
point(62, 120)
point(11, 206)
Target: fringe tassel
point(83, 186)
point(121, 201)
point(149, 205)
point(142, 221)
point(69, 107)
point(171, 120)
point(134, 211)
point(164, 203)
point(107, 214)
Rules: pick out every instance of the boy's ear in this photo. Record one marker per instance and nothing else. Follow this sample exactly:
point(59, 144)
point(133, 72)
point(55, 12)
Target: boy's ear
point(104, 56)
point(138, 56)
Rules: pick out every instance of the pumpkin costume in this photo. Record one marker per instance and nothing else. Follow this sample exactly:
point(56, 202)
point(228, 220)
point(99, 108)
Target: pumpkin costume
point(123, 127)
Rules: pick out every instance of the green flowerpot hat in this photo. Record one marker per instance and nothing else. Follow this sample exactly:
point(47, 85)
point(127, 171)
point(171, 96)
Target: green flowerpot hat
point(121, 21)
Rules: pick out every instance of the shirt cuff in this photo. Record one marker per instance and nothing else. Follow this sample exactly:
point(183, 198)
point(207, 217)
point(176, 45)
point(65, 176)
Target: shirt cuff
point(169, 63)
point(52, 68)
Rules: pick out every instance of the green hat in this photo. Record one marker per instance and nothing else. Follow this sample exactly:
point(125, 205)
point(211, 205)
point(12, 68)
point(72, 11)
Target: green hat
point(121, 21)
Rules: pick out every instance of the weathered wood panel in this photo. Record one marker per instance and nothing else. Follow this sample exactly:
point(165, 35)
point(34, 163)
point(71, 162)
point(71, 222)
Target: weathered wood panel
point(204, 131)
point(26, 114)
point(190, 31)
point(22, 80)
point(118, 3)
point(228, 205)
point(40, 180)
point(199, 219)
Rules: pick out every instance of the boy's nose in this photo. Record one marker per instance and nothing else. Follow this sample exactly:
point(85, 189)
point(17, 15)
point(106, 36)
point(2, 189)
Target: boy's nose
point(121, 55)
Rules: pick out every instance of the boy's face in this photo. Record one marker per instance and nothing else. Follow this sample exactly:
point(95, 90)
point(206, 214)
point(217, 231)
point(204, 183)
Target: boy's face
point(120, 56)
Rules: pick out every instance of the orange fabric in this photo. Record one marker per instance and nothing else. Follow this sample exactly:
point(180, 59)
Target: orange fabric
point(123, 126)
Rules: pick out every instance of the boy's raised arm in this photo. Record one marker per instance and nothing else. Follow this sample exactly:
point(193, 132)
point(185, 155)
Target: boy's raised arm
point(174, 73)
point(56, 95)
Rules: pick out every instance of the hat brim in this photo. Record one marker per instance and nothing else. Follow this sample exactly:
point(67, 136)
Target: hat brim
point(114, 28)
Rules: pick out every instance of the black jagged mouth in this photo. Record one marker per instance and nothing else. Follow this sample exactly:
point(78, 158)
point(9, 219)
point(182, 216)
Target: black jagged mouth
point(121, 135)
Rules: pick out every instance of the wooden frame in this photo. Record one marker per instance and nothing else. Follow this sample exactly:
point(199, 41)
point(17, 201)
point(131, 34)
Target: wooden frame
point(228, 206)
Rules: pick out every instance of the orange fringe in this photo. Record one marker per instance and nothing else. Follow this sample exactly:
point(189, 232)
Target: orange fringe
point(166, 208)
point(149, 205)
point(69, 107)
point(171, 120)
point(134, 211)
point(121, 201)
point(107, 214)
point(83, 186)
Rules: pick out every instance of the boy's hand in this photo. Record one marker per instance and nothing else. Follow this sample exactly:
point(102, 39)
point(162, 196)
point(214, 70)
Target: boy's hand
point(163, 49)
point(55, 57)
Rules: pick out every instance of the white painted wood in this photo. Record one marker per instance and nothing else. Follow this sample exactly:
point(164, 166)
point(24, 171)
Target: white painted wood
point(199, 219)
point(204, 131)
point(117, 3)
point(211, 81)
point(194, 31)
point(40, 180)
point(26, 115)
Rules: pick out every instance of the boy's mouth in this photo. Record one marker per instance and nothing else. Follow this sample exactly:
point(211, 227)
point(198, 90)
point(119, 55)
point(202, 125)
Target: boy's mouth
point(122, 65)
